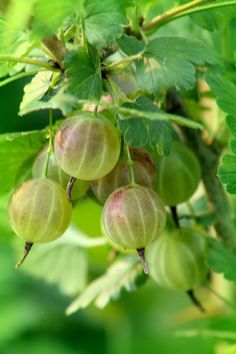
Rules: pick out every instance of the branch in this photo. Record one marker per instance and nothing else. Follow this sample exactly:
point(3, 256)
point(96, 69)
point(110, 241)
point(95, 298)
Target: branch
point(208, 157)
point(42, 64)
point(185, 10)
point(156, 21)
point(56, 47)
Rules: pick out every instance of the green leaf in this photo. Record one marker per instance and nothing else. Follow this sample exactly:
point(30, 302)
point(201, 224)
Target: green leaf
point(140, 132)
point(130, 45)
point(227, 173)
point(124, 274)
point(222, 260)
point(17, 151)
point(16, 44)
point(64, 261)
point(84, 73)
point(50, 15)
point(103, 20)
point(169, 62)
point(62, 101)
point(35, 90)
point(225, 92)
point(214, 19)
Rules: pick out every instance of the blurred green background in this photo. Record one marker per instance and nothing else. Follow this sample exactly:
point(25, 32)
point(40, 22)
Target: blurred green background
point(150, 320)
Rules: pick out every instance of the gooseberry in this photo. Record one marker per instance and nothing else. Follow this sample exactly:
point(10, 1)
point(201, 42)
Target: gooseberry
point(179, 174)
point(144, 171)
point(87, 147)
point(133, 217)
point(39, 211)
point(55, 173)
point(177, 260)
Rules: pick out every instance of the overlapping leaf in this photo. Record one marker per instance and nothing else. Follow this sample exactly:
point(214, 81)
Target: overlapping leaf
point(124, 274)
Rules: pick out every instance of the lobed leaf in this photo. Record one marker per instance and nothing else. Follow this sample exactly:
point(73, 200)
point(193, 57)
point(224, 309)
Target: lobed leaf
point(139, 132)
point(84, 73)
point(169, 62)
point(103, 20)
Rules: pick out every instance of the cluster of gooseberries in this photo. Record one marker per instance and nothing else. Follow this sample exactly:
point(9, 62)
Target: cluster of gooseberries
point(87, 152)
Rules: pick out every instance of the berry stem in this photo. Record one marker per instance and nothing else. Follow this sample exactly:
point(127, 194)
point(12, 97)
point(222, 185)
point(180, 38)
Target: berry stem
point(27, 248)
point(130, 163)
point(175, 216)
point(50, 147)
point(141, 253)
point(195, 301)
point(70, 187)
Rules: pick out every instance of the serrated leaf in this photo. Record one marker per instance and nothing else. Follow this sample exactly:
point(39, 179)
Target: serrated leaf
point(227, 173)
point(130, 45)
point(222, 260)
point(225, 92)
point(169, 62)
point(139, 132)
point(84, 73)
point(64, 261)
point(123, 274)
point(17, 151)
point(103, 20)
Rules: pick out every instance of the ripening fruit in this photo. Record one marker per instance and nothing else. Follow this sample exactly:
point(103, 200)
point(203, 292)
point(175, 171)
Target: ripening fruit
point(39, 211)
point(144, 171)
point(133, 216)
point(179, 174)
point(87, 147)
point(56, 174)
point(177, 260)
